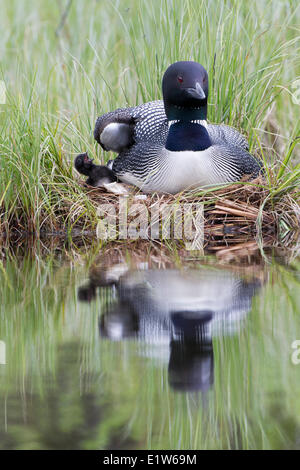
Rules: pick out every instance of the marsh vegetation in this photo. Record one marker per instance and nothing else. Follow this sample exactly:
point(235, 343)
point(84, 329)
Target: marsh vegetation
point(60, 75)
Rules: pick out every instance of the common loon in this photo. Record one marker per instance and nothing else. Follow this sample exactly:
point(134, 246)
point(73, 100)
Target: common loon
point(168, 146)
point(174, 314)
point(98, 175)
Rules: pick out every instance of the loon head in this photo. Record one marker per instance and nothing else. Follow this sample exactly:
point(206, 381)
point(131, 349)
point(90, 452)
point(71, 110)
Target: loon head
point(83, 164)
point(185, 91)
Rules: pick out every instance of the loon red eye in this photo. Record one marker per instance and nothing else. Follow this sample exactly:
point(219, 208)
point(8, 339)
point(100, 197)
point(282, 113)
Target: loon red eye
point(180, 79)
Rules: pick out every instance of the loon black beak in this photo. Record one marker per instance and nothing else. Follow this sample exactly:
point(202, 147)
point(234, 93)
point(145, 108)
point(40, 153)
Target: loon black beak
point(87, 159)
point(196, 93)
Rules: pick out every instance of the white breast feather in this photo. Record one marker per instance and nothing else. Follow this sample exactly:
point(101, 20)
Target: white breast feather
point(178, 171)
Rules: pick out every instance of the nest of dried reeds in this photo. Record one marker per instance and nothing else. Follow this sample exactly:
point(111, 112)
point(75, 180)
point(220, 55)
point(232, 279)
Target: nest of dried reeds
point(236, 211)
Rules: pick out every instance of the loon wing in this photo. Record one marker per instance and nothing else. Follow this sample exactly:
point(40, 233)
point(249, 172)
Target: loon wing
point(221, 133)
point(120, 129)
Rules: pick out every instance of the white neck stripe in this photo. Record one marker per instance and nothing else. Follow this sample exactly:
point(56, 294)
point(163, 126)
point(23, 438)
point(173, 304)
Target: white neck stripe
point(203, 122)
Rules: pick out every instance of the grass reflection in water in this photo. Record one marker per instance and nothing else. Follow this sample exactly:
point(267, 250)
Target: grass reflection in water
point(130, 355)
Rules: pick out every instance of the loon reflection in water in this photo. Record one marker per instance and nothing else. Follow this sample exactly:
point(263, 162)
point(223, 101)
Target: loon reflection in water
point(183, 309)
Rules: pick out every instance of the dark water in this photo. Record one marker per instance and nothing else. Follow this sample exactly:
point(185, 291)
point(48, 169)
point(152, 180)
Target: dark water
point(146, 352)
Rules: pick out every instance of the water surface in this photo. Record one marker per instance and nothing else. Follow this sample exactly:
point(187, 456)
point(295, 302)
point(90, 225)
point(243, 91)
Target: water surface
point(148, 352)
